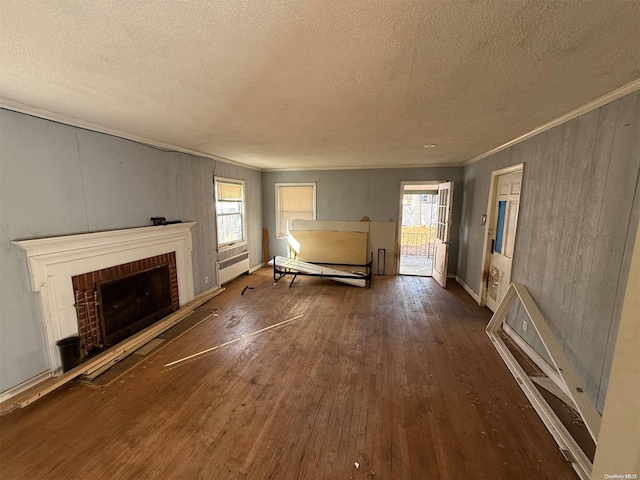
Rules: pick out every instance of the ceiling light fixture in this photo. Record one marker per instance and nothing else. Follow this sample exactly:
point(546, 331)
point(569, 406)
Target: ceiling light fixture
point(431, 145)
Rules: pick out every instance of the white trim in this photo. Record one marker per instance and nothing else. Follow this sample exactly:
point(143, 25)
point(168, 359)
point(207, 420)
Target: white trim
point(53, 261)
point(231, 246)
point(94, 127)
point(277, 202)
point(103, 360)
point(442, 241)
point(468, 289)
point(536, 358)
point(240, 243)
point(572, 386)
point(398, 254)
point(13, 391)
point(551, 387)
point(217, 289)
point(586, 108)
point(66, 120)
point(368, 167)
point(486, 244)
point(581, 464)
point(509, 169)
point(618, 446)
point(255, 268)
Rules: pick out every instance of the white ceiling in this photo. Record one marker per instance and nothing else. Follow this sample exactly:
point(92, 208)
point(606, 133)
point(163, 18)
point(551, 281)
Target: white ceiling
point(317, 83)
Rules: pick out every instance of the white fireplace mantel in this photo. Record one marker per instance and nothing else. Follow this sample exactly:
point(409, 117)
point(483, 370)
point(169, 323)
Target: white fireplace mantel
point(54, 261)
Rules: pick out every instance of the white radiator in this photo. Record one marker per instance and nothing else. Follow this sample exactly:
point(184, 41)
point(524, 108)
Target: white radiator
point(231, 267)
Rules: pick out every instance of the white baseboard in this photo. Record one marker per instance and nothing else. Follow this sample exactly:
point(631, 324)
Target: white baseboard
point(217, 289)
point(13, 391)
point(255, 267)
point(468, 289)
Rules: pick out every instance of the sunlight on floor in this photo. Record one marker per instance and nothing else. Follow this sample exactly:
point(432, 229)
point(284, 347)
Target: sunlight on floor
point(416, 265)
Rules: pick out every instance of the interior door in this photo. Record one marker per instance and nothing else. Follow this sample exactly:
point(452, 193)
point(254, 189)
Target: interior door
point(443, 224)
point(503, 235)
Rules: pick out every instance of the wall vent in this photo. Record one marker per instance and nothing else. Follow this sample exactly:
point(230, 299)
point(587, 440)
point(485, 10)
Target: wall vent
point(230, 268)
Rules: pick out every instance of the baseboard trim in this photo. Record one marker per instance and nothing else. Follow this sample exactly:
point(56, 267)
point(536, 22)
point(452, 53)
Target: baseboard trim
point(217, 289)
point(468, 289)
point(255, 267)
point(13, 391)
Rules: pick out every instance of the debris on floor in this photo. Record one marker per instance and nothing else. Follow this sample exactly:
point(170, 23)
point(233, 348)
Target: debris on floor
point(245, 289)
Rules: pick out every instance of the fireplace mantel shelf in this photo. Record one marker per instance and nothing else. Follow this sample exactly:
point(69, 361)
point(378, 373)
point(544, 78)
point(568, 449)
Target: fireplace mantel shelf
point(66, 243)
point(54, 261)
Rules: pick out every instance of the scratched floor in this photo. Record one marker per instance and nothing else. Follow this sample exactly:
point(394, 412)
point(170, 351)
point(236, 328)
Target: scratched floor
point(400, 378)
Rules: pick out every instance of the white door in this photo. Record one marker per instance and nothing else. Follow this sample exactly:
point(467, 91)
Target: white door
point(443, 223)
point(503, 235)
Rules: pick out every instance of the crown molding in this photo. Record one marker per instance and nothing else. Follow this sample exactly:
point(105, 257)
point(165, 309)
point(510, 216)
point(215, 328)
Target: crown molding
point(94, 127)
point(586, 108)
point(64, 119)
point(368, 167)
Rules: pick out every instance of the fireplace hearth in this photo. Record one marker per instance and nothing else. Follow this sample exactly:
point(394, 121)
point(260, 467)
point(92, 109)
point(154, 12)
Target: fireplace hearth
point(54, 261)
point(114, 303)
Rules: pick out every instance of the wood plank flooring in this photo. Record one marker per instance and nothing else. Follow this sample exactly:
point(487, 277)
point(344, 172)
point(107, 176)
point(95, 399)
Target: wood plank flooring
point(400, 378)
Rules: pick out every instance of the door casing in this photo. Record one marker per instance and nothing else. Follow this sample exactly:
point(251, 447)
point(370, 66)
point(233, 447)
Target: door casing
point(491, 218)
point(431, 183)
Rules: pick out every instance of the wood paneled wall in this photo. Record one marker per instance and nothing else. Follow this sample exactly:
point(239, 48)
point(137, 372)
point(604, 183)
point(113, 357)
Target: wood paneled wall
point(349, 195)
point(576, 228)
point(61, 180)
point(194, 176)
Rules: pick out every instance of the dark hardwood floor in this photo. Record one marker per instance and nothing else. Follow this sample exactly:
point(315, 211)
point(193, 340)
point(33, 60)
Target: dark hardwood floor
point(400, 378)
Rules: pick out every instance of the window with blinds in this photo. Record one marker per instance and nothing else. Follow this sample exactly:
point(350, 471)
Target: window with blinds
point(230, 212)
point(294, 201)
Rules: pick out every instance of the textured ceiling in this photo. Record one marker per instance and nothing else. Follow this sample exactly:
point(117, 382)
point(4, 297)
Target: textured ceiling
point(318, 83)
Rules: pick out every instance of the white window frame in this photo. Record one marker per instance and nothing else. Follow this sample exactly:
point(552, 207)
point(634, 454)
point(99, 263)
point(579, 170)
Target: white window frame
point(303, 184)
point(222, 247)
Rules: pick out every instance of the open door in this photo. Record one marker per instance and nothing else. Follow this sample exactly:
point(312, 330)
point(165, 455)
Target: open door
point(417, 229)
point(502, 235)
point(443, 223)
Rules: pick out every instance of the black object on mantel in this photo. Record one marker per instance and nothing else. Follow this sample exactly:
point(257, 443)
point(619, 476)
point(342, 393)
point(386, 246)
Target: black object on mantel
point(163, 221)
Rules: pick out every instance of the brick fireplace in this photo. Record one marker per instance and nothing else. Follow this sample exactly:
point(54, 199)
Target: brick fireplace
point(86, 295)
point(61, 266)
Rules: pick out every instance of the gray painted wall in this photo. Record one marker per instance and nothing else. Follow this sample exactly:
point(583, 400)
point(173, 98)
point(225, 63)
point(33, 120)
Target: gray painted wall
point(352, 194)
point(60, 180)
point(576, 227)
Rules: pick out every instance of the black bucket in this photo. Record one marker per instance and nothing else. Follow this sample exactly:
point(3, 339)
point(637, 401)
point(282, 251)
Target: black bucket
point(69, 352)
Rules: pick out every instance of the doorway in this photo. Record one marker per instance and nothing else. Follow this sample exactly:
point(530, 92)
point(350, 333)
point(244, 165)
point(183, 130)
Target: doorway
point(500, 234)
point(418, 213)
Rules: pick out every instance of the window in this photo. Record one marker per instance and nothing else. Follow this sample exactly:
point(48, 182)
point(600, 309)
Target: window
point(294, 201)
point(232, 231)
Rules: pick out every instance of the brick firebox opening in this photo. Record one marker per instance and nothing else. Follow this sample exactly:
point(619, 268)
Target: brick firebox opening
point(86, 296)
